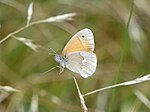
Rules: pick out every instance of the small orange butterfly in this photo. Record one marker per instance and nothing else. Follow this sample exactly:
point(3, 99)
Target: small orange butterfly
point(78, 54)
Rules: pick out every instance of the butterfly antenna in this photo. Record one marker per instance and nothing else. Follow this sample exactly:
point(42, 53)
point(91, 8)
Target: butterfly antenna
point(53, 52)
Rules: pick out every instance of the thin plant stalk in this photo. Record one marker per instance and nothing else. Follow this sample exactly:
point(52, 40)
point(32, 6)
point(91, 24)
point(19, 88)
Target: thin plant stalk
point(85, 109)
point(132, 82)
point(124, 48)
point(58, 18)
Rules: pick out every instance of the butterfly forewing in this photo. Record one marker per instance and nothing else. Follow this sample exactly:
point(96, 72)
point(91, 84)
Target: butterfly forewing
point(82, 41)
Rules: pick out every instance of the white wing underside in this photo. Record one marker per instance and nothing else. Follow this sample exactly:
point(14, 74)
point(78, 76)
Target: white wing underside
point(83, 63)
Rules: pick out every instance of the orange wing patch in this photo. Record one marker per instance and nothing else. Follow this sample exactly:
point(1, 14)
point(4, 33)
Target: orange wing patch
point(76, 45)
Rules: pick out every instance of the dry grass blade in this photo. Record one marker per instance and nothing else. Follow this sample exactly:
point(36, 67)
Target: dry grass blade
point(142, 98)
point(138, 80)
point(34, 103)
point(30, 12)
point(85, 109)
point(28, 42)
point(8, 89)
point(61, 18)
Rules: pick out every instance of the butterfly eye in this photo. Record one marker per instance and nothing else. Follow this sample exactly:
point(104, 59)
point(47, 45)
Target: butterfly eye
point(83, 36)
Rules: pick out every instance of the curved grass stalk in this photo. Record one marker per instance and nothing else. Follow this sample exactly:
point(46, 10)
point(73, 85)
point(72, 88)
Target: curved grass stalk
point(59, 18)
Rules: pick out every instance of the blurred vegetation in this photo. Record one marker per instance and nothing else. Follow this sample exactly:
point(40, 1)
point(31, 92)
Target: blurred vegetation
point(121, 54)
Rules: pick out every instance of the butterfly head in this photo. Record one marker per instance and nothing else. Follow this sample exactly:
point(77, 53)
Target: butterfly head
point(58, 58)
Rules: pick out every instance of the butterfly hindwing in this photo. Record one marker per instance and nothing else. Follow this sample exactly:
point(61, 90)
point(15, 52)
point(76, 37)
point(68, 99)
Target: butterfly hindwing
point(83, 63)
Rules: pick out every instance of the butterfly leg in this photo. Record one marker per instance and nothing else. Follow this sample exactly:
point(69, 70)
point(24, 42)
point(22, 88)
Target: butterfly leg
point(61, 69)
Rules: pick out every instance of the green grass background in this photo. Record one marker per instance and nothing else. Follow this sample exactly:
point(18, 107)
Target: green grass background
point(123, 54)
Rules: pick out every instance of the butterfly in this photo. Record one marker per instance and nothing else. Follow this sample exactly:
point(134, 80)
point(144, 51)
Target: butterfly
point(78, 55)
